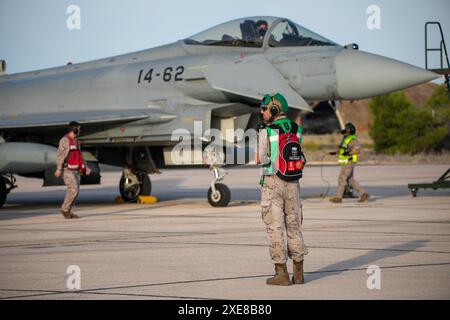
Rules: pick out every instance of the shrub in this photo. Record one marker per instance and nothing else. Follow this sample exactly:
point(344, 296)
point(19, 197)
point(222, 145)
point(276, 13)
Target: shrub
point(400, 127)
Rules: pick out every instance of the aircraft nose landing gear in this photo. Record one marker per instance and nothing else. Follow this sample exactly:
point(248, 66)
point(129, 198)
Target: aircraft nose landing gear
point(134, 184)
point(219, 194)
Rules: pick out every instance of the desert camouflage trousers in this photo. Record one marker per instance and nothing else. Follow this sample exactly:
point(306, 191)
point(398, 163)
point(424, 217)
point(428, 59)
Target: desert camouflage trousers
point(345, 175)
point(72, 181)
point(281, 211)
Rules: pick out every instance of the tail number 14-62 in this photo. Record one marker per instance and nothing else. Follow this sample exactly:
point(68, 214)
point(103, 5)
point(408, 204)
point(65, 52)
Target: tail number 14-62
point(167, 75)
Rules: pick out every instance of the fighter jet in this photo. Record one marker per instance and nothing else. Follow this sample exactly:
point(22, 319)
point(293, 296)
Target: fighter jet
point(129, 105)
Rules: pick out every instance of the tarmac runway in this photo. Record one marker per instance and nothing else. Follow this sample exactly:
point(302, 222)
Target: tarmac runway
point(181, 248)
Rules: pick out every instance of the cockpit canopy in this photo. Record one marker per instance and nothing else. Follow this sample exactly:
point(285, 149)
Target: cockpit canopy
point(252, 31)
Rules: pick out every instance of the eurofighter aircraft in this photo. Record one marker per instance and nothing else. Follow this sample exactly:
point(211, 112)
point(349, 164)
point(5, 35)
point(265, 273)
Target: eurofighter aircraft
point(129, 105)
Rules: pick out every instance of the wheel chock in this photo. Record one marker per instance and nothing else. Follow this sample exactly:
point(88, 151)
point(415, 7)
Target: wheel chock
point(147, 200)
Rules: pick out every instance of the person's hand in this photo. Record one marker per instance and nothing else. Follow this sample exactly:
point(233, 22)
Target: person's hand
point(58, 173)
point(88, 171)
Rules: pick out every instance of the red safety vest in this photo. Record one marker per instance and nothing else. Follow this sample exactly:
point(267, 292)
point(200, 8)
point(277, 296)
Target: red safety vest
point(74, 159)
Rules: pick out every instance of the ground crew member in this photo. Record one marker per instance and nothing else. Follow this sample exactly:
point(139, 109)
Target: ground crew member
point(70, 162)
point(347, 158)
point(281, 207)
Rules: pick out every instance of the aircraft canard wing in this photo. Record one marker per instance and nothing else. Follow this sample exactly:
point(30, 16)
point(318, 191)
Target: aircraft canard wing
point(252, 77)
point(82, 117)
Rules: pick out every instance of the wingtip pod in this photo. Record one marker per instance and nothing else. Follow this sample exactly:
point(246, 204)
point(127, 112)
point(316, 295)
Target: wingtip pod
point(362, 75)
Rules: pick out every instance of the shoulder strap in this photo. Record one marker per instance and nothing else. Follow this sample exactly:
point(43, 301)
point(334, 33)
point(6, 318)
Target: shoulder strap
point(292, 124)
point(294, 127)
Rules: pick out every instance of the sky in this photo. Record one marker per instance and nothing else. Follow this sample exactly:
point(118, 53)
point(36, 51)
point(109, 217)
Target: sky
point(34, 33)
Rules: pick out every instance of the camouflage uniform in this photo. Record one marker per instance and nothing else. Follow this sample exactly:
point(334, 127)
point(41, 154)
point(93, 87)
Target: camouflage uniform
point(347, 171)
point(71, 177)
point(281, 210)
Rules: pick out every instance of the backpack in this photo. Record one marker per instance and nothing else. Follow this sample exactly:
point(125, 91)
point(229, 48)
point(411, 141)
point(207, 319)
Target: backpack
point(290, 159)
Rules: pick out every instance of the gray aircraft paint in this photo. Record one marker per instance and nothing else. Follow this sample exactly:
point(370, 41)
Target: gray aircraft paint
point(217, 84)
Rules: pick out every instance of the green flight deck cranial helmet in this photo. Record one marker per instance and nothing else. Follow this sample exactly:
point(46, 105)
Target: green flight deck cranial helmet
point(282, 101)
point(350, 128)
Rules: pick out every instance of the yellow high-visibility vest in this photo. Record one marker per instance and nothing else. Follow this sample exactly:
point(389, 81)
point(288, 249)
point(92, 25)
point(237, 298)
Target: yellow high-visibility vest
point(344, 156)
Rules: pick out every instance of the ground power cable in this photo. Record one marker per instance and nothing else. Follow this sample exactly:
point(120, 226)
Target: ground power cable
point(323, 195)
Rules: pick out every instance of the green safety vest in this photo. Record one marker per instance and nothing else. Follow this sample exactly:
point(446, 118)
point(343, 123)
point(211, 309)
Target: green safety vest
point(286, 125)
point(344, 156)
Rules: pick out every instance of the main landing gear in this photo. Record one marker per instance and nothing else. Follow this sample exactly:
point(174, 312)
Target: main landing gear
point(134, 183)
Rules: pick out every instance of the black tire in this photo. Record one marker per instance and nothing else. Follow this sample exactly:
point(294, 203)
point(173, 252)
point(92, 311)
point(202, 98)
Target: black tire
point(3, 192)
point(144, 188)
point(222, 198)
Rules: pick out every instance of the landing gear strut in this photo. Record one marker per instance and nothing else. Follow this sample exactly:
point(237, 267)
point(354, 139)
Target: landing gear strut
point(7, 183)
point(134, 184)
point(219, 194)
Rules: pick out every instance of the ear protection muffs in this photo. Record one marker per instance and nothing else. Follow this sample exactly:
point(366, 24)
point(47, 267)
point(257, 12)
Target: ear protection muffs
point(75, 127)
point(274, 110)
point(76, 130)
point(273, 107)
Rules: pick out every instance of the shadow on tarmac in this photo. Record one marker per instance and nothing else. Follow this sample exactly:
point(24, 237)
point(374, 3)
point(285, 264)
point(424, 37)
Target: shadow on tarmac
point(365, 259)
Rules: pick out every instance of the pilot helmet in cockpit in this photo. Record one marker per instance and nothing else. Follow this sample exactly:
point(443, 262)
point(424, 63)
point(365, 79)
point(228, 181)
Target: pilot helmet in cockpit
point(261, 28)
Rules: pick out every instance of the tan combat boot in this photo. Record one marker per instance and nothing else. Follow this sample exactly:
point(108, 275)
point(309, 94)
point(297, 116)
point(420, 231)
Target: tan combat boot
point(297, 278)
point(73, 215)
point(364, 197)
point(281, 277)
point(336, 200)
point(66, 214)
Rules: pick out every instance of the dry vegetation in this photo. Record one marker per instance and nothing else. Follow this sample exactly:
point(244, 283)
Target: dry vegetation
point(317, 147)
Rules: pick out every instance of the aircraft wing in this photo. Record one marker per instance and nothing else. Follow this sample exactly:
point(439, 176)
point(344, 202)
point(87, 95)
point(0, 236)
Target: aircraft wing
point(252, 77)
point(82, 117)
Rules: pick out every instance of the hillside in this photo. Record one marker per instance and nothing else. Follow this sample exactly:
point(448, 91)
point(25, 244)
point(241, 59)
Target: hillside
point(358, 112)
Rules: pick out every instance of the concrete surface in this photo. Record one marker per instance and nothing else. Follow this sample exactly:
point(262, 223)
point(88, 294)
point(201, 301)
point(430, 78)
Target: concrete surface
point(181, 248)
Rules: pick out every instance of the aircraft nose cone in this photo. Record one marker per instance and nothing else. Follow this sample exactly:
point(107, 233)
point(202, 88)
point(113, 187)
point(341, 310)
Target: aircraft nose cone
point(361, 75)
